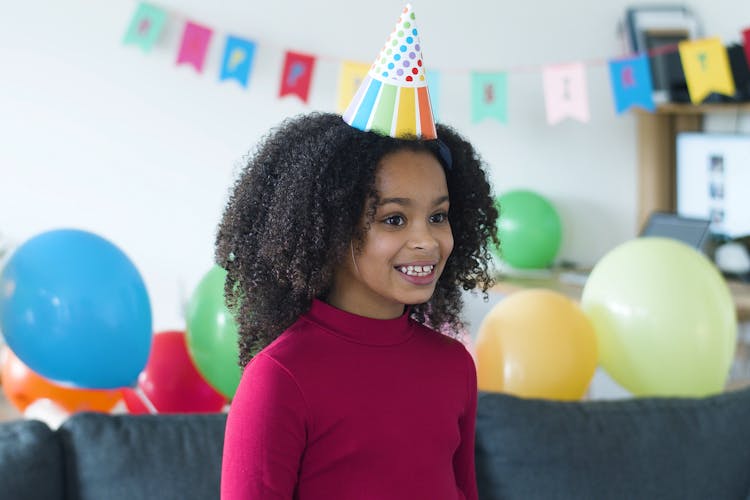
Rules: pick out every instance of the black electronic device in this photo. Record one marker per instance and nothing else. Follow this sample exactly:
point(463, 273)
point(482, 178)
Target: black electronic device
point(692, 231)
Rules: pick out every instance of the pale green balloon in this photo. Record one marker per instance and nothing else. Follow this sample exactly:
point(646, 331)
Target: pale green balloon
point(212, 336)
point(664, 318)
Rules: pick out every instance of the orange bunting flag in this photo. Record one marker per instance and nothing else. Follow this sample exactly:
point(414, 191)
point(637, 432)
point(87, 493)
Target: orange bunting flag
point(351, 76)
point(297, 75)
point(195, 39)
point(565, 92)
point(706, 67)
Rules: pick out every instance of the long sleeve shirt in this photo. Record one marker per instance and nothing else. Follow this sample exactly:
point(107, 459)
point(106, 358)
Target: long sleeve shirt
point(346, 407)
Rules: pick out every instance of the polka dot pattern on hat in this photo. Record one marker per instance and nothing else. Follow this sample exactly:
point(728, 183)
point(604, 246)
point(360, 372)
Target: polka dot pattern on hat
point(400, 59)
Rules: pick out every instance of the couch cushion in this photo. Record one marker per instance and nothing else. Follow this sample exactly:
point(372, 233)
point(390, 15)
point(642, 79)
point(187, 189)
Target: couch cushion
point(661, 448)
point(126, 457)
point(31, 464)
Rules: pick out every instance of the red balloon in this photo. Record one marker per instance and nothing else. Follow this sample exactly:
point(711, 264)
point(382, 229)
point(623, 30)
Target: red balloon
point(171, 382)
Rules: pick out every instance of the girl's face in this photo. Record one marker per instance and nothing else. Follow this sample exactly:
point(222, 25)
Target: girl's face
point(408, 242)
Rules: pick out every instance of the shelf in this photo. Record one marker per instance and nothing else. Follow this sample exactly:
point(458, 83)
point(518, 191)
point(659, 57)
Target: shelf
point(657, 133)
point(701, 109)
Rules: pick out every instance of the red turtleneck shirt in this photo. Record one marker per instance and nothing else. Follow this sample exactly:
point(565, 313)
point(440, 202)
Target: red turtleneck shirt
point(346, 407)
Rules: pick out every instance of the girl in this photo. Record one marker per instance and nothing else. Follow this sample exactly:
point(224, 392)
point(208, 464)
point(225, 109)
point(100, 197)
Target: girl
point(344, 248)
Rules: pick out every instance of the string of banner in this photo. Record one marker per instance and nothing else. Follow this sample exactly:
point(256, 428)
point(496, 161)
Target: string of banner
point(705, 64)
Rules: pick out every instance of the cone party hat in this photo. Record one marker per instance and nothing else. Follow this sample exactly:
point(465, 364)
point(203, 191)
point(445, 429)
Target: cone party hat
point(393, 99)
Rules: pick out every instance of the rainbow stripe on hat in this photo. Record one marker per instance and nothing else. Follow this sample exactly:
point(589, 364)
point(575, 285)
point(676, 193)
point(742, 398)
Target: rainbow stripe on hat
point(393, 99)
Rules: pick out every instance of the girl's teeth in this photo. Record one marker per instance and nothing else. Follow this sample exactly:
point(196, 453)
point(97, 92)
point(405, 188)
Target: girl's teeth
point(416, 270)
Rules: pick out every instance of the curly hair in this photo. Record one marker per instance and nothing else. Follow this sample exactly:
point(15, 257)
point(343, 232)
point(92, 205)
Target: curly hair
point(298, 204)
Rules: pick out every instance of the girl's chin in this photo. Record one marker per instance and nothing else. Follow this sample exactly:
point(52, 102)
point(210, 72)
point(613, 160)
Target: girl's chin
point(411, 299)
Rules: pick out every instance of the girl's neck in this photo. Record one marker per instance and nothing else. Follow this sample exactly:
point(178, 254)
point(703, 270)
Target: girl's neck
point(355, 305)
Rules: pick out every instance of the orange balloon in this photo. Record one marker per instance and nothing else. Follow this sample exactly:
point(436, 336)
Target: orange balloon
point(537, 344)
point(22, 386)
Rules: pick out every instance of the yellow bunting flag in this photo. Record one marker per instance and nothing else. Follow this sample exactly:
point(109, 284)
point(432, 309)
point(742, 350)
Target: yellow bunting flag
point(706, 67)
point(351, 76)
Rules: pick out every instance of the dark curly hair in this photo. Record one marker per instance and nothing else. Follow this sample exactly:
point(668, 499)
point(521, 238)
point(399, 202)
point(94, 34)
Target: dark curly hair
point(299, 203)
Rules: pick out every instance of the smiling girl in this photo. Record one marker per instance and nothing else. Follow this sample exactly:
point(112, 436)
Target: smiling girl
point(343, 248)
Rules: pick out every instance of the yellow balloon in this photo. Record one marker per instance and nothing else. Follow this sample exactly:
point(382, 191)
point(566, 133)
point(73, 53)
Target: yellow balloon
point(664, 318)
point(537, 344)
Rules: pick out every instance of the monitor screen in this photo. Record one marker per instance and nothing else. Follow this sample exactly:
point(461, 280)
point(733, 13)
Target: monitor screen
point(713, 180)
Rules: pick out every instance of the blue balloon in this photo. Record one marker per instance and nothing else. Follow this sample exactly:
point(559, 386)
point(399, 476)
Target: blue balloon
point(75, 310)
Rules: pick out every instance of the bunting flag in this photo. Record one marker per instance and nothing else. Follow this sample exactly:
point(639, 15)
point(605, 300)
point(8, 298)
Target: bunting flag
point(433, 86)
point(145, 27)
point(351, 76)
point(706, 67)
point(297, 75)
point(392, 96)
point(631, 83)
point(194, 45)
point(237, 60)
point(489, 97)
point(565, 92)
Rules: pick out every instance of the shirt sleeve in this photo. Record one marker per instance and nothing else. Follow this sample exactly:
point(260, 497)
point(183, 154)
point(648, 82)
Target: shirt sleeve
point(463, 460)
point(265, 434)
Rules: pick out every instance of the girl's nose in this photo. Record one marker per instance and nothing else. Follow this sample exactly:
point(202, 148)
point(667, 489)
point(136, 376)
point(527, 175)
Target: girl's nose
point(422, 238)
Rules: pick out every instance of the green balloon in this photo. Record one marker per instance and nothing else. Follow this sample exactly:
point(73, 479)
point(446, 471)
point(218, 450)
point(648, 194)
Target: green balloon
point(529, 230)
point(212, 337)
point(664, 318)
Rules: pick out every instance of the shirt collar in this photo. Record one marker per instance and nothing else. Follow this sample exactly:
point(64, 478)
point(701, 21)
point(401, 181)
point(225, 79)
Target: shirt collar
point(360, 329)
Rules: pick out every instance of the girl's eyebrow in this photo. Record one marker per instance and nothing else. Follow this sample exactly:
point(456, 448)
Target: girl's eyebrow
point(408, 201)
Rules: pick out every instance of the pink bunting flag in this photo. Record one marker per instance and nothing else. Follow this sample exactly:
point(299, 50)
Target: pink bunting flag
point(565, 92)
point(195, 39)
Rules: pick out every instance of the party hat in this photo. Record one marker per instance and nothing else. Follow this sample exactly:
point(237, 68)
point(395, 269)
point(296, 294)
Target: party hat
point(393, 98)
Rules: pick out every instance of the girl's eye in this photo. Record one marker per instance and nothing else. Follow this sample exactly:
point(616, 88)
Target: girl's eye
point(439, 218)
point(394, 220)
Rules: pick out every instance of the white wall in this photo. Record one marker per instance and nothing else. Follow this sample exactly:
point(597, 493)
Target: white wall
point(99, 136)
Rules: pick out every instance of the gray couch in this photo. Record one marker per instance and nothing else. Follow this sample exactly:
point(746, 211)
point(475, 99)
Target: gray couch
point(526, 449)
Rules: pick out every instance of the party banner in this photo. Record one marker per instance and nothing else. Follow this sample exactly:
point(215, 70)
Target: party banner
point(565, 92)
point(746, 38)
point(297, 75)
point(237, 60)
point(489, 96)
point(631, 83)
point(706, 67)
point(194, 45)
point(433, 85)
point(350, 78)
point(145, 27)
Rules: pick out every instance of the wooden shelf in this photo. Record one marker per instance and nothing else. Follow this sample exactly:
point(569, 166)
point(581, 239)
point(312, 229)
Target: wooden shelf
point(556, 281)
point(700, 109)
point(657, 133)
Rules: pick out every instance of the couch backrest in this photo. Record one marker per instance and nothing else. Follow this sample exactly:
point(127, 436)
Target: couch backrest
point(31, 463)
point(660, 448)
point(127, 457)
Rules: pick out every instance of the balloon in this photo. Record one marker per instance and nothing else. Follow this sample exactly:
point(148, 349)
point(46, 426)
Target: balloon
point(664, 318)
point(22, 387)
point(171, 382)
point(536, 343)
point(75, 309)
point(212, 334)
point(529, 230)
